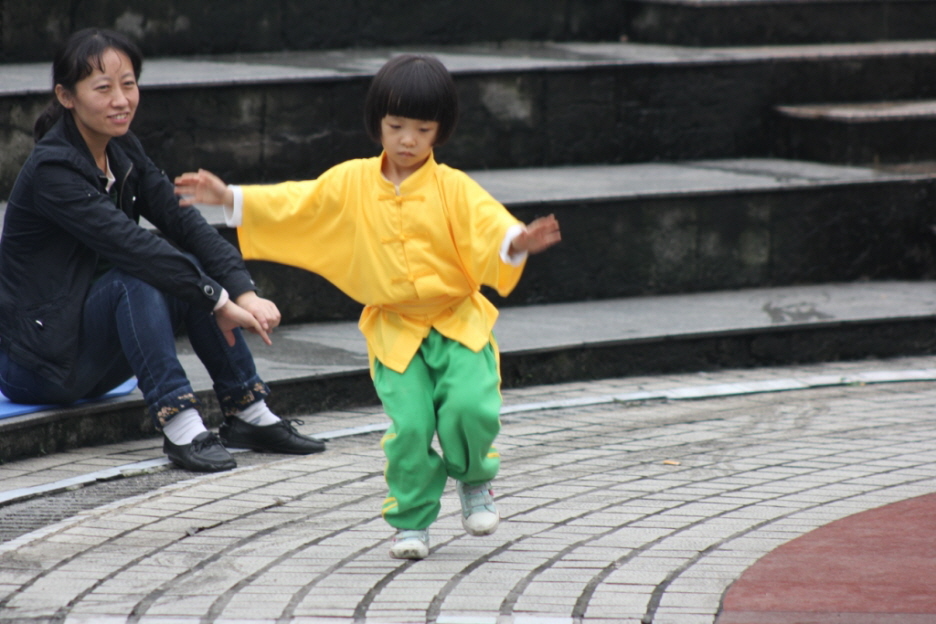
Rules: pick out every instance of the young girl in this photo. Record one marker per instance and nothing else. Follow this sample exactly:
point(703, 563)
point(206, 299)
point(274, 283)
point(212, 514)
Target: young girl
point(89, 298)
point(413, 241)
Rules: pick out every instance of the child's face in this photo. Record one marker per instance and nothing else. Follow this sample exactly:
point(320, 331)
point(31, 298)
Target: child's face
point(408, 143)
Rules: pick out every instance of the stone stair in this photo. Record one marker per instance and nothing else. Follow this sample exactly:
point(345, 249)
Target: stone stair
point(29, 30)
point(678, 160)
point(760, 22)
point(322, 366)
point(185, 27)
point(884, 132)
point(687, 227)
point(273, 116)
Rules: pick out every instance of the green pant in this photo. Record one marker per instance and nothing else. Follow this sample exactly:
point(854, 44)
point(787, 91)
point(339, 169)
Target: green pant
point(448, 390)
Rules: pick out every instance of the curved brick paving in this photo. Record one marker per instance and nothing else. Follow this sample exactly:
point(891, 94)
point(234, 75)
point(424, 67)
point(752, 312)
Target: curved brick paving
point(614, 512)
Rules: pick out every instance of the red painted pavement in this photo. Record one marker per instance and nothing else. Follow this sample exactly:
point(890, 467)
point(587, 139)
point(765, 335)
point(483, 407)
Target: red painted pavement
point(875, 567)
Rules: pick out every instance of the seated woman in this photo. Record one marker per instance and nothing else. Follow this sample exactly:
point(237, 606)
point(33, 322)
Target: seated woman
point(89, 298)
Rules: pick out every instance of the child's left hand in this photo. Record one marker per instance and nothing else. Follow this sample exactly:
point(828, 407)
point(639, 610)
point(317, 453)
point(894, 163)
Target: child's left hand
point(539, 235)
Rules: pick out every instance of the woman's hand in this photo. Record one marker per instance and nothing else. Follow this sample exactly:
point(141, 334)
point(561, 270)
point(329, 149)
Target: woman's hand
point(203, 187)
point(539, 235)
point(264, 310)
point(230, 316)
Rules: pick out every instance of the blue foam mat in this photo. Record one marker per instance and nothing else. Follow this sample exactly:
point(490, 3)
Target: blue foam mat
point(8, 408)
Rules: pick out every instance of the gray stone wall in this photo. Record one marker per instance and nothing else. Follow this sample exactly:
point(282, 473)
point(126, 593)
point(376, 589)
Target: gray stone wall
point(30, 30)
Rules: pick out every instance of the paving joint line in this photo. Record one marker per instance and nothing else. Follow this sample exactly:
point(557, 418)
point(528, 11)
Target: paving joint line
point(878, 488)
point(679, 393)
point(58, 527)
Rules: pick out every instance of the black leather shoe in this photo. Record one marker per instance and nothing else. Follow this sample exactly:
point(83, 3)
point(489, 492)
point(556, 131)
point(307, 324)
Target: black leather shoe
point(204, 454)
point(280, 437)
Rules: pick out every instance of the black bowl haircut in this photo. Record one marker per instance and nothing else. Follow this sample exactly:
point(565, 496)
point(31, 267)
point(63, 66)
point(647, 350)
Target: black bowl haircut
point(413, 86)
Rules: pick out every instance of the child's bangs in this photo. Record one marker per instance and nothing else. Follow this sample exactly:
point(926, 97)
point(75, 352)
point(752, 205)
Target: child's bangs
point(416, 101)
point(415, 87)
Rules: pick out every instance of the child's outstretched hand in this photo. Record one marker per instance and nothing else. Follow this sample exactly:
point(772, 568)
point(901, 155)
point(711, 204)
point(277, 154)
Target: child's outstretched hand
point(539, 235)
point(202, 187)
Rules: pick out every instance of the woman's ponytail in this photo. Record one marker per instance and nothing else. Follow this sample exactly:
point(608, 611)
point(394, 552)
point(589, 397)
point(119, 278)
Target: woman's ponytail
point(47, 118)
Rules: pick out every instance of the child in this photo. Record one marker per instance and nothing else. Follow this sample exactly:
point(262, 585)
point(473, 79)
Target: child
point(413, 241)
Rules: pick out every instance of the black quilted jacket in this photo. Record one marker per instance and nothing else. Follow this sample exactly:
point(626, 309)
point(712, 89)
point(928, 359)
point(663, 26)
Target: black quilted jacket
point(60, 223)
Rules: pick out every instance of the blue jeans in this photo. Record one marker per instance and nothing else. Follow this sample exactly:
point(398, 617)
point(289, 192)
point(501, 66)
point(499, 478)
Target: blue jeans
point(128, 328)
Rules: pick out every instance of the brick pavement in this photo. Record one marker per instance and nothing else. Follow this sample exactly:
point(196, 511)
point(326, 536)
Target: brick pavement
point(635, 509)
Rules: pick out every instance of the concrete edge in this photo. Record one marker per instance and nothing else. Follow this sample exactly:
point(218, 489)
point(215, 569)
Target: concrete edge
point(124, 418)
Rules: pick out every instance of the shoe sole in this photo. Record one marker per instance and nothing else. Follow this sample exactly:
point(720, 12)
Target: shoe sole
point(205, 468)
point(260, 449)
point(251, 445)
point(480, 532)
point(409, 552)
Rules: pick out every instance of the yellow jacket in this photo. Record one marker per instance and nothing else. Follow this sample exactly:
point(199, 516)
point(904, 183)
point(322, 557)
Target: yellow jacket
point(415, 257)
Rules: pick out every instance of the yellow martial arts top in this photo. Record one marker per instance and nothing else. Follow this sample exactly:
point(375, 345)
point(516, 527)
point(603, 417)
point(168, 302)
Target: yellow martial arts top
point(414, 256)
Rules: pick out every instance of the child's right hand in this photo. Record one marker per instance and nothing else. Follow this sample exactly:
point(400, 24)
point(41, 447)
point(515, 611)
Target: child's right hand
point(202, 187)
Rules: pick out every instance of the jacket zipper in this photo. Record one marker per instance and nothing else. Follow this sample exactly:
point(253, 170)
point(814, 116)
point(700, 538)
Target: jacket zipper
point(123, 183)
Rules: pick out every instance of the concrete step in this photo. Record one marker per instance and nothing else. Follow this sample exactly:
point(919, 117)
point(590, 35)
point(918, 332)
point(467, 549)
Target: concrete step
point(268, 117)
point(858, 132)
point(755, 22)
point(32, 30)
point(314, 367)
point(655, 228)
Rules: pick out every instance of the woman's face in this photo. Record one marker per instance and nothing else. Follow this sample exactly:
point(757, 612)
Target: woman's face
point(104, 102)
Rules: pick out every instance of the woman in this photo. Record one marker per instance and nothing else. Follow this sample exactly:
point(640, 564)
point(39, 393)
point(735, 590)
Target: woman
point(88, 298)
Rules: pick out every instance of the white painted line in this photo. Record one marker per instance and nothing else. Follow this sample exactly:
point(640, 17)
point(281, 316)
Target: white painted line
point(71, 483)
point(352, 431)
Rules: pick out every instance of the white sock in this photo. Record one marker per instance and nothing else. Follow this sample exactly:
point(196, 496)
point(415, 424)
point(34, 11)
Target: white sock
point(258, 414)
point(184, 426)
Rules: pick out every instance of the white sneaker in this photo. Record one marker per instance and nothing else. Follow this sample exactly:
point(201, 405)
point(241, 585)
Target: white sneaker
point(479, 514)
point(410, 545)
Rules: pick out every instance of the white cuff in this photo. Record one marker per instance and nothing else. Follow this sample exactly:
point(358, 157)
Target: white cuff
point(518, 258)
point(224, 298)
point(234, 216)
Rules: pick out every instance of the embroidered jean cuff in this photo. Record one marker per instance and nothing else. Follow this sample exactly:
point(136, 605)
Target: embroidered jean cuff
point(168, 407)
point(236, 401)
